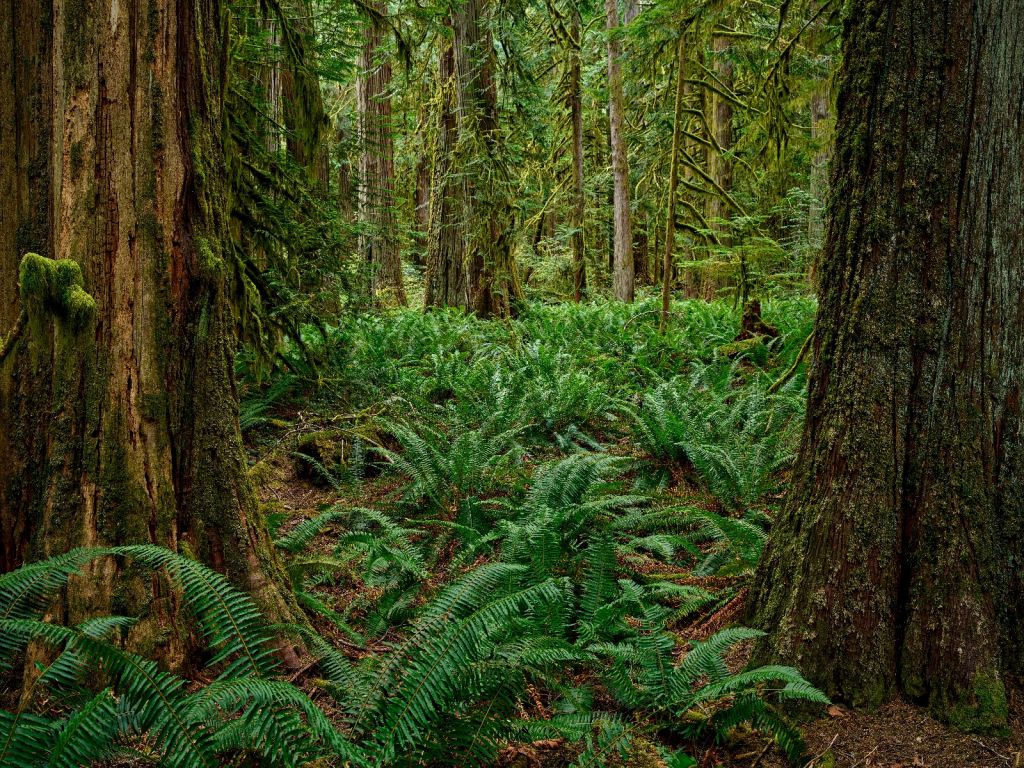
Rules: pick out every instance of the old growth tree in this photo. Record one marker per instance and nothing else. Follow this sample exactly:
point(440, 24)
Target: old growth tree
point(118, 410)
point(896, 564)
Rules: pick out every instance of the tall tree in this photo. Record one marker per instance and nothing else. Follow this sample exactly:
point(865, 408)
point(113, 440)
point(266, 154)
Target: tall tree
point(673, 182)
point(896, 563)
point(719, 159)
point(379, 244)
point(118, 410)
point(493, 278)
point(574, 87)
point(444, 281)
point(622, 246)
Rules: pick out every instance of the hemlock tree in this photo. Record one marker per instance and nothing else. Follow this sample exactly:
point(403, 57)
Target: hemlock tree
point(118, 410)
point(896, 563)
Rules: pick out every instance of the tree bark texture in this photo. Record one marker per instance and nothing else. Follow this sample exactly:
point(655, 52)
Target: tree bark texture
point(118, 414)
point(493, 278)
point(379, 240)
point(579, 202)
point(444, 283)
point(622, 250)
point(895, 565)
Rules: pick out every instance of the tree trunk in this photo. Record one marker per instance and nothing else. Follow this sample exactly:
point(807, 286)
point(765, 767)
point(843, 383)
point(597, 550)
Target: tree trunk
point(379, 241)
point(895, 565)
point(819, 173)
point(641, 254)
point(421, 212)
point(579, 201)
point(622, 271)
point(493, 278)
point(118, 409)
point(673, 183)
point(444, 284)
point(719, 162)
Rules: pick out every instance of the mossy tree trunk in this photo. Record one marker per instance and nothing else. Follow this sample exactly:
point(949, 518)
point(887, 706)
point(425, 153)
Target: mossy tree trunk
point(444, 281)
point(492, 275)
point(622, 236)
point(119, 424)
point(574, 96)
point(895, 566)
point(379, 243)
point(719, 157)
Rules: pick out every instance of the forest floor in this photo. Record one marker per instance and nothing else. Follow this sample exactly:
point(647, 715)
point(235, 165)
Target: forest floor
point(900, 735)
point(407, 431)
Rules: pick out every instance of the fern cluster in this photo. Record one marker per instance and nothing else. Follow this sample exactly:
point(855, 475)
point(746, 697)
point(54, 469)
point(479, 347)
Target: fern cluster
point(527, 578)
point(117, 704)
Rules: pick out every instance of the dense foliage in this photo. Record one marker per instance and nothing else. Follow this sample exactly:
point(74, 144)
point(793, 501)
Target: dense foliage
point(563, 506)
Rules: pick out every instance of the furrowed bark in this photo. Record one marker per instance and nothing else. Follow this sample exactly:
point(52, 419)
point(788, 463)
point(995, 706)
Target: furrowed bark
point(118, 409)
point(895, 564)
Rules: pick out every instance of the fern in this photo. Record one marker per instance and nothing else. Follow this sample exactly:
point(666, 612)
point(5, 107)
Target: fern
point(242, 710)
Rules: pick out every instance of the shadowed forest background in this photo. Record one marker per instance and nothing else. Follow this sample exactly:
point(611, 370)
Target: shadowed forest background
point(512, 383)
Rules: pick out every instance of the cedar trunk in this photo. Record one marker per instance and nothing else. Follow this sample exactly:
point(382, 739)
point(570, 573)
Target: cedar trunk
point(444, 282)
point(118, 417)
point(379, 241)
point(493, 278)
point(895, 566)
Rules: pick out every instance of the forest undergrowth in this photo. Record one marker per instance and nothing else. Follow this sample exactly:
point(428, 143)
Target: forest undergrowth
point(517, 542)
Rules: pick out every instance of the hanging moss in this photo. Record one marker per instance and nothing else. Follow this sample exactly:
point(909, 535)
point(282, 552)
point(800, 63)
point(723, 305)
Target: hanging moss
point(56, 287)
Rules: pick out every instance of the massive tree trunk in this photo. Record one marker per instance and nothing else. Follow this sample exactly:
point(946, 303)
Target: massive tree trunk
point(622, 250)
point(493, 278)
point(896, 563)
point(444, 283)
point(379, 242)
point(118, 413)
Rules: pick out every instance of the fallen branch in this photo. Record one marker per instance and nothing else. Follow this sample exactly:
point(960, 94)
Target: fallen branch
point(780, 382)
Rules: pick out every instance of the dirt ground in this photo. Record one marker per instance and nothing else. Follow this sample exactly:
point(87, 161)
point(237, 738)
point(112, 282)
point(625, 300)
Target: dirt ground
point(902, 736)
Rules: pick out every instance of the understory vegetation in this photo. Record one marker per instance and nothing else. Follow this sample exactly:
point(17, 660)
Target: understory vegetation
point(527, 543)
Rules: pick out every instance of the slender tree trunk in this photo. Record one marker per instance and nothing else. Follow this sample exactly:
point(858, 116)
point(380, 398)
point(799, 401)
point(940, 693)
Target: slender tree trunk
point(622, 272)
point(895, 565)
point(641, 242)
point(379, 242)
point(673, 182)
point(421, 212)
point(819, 172)
point(445, 278)
point(719, 161)
point(579, 202)
point(118, 408)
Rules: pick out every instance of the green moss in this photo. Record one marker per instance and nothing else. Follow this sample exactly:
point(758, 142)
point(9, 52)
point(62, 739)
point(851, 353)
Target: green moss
point(984, 710)
point(56, 286)
point(754, 347)
point(210, 264)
